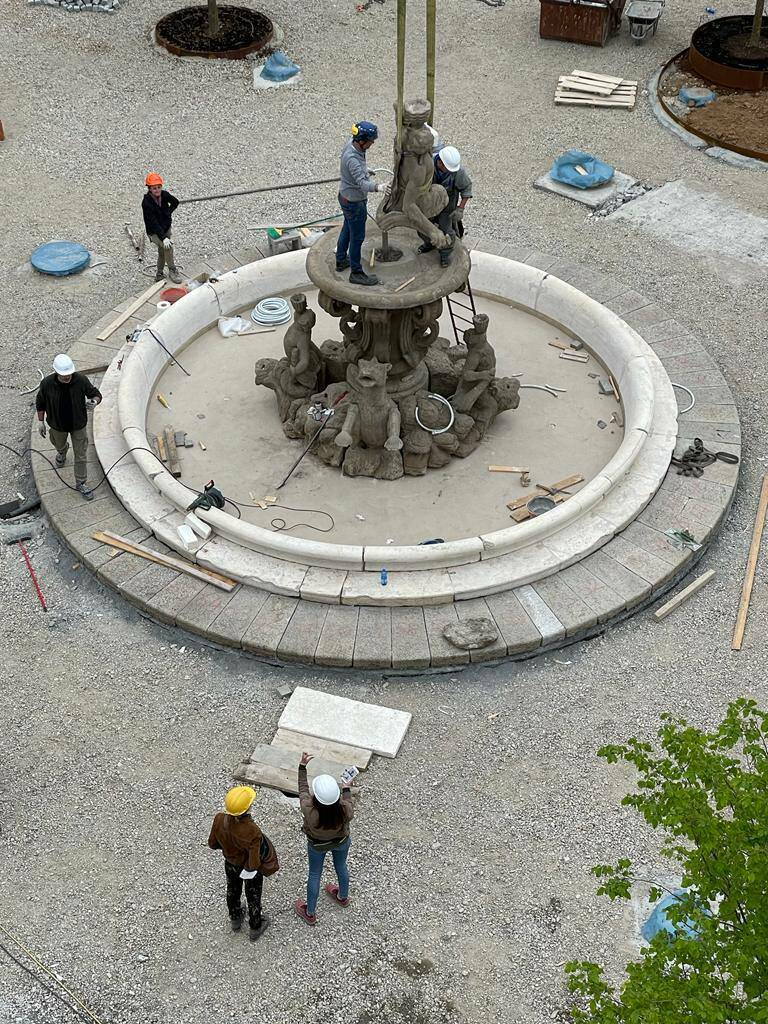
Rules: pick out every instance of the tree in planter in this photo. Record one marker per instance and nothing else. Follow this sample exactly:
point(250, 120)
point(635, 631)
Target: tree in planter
point(755, 38)
point(708, 792)
point(213, 18)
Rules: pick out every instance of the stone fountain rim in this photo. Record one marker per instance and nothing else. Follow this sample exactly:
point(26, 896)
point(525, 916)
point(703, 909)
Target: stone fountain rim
point(577, 527)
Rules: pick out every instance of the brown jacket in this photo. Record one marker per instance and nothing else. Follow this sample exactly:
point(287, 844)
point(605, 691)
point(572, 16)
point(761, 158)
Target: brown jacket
point(312, 827)
point(239, 839)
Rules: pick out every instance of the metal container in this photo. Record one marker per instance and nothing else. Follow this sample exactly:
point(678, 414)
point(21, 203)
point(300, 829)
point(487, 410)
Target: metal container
point(580, 21)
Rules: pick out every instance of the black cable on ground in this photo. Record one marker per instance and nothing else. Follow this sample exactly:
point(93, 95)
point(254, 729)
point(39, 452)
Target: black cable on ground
point(45, 985)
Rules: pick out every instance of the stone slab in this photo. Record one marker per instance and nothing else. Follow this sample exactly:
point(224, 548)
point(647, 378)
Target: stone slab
point(602, 599)
point(641, 562)
point(88, 513)
point(655, 541)
point(336, 645)
point(410, 647)
point(343, 753)
point(264, 634)
point(431, 586)
point(302, 633)
point(231, 621)
point(442, 653)
point(591, 197)
point(565, 604)
point(122, 524)
point(677, 347)
point(630, 587)
point(99, 555)
point(173, 598)
point(342, 720)
point(514, 623)
point(701, 487)
point(627, 302)
point(712, 434)
point(373, 639)
point(277, 767)
point(324, 585)
point(542, 616)
point(477, 608)
point(678, 367)
point(118, 570)
point(141, 588)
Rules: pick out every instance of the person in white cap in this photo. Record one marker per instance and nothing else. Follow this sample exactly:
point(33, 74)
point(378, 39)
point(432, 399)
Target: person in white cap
point(457, 183)
point(327, 812)
point(62, 400)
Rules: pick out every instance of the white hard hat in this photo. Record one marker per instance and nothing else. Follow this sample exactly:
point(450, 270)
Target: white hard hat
point(451, 157)
point(326, 789)
point(435, 136)
point(63, 365)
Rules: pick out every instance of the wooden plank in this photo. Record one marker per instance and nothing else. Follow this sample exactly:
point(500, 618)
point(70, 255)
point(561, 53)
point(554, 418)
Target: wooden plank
point(559, 344)
point(678, 599)
point(508, 469)
point(565, 94)
point(173, 458)
point(162, 448)
point(343, 753)
point(155, 445)
point(278, 768)
point(594, 77)
point(520, 515)
point(569, 481)
point(144, 297)
point(113, 540)
point(571, 92)
point(626, 104)
point(599, 88)
point(749, 577)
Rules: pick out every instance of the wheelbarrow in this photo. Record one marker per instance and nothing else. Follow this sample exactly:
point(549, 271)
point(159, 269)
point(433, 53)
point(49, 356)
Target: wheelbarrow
point(643, 16)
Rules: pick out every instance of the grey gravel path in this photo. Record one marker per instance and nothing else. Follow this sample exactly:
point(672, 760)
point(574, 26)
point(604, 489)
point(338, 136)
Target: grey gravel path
point(471, 850)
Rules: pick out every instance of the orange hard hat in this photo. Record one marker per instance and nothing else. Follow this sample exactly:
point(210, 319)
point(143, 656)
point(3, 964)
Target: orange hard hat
point(153, 179)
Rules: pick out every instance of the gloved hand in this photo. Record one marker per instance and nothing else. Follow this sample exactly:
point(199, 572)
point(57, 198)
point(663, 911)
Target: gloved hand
point(167, 244)
point(41, 428)
point(458, 214)
point(382, 186)
point(247, 875)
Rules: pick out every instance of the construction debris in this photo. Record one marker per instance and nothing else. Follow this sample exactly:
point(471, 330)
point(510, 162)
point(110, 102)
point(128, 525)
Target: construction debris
point(207, 575)
point(583, 88)
point(678, 599)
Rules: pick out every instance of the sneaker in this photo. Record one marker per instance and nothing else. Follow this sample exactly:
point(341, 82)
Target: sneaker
point(301, 909)
point(82, 489)
point(341, 265)
point(360, 277)
point(61, 458)
point(426, 247)
point(333, 892)
point(174, 275)
point(236, 923)
point(256, 933)
point(159, 277)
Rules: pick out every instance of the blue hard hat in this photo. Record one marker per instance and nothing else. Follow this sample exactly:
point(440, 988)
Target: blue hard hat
point(364, 130)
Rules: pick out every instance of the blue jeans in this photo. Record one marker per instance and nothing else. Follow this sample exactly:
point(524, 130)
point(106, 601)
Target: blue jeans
point(352, 233)
point(316, 859)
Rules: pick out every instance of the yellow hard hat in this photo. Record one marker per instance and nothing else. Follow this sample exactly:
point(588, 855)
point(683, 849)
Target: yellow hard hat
point(239, 799)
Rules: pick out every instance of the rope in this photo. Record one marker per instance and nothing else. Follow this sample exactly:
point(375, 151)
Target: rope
point(40, 982)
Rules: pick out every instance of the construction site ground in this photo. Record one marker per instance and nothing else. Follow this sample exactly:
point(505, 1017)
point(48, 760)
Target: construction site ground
point(471, 850)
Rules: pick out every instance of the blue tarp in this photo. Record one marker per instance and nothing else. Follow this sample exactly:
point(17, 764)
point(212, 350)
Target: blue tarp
point(658, 921)
point(279, 68)
point(60, 258)
point(564, 170)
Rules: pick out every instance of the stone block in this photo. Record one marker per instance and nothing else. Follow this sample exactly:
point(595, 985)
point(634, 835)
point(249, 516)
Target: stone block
point(251, 568)
point(627, 301)
point(704, 413)
point(336, 645)
point(642, 563)
point(441, 652)
point(264, 634)
point(565, 604)
point(477, 608)
point(340, 720)
point(657, 543)
point(141, 588)
point(660, 329)
point(302, 633)
point(712, 434)
point(679, 366)
point(496, 574)
point(540, 614)
point(422, 557)
point(701, 487)
point(513, 622)
point(591, 197)
point(122, 524)
point(118, 570)
point(373, 639)
point(228, 622)
point(602, 599)
point(429, 586)
point(630, 587)
point(89, 513)
point(176, 596)
point(410, 647)
point(323, 585)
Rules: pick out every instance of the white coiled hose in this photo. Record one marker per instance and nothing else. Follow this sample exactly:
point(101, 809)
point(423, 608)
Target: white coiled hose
point(271, 312)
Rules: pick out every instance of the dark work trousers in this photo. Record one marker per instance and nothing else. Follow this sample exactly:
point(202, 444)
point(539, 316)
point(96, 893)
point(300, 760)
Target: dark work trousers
point(352, 233)
point(444, 222)
point(253, 888)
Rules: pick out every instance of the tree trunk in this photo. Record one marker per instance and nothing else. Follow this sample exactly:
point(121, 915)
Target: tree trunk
point(757, 24)
point(213, 18)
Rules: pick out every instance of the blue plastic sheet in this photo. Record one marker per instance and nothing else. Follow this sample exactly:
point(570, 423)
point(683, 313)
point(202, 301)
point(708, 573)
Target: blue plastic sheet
point(658, 921)
point(279, 68)
point(60, 258)
point(564, 170)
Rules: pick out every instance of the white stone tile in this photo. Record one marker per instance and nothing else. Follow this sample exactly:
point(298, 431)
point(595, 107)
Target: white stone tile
point(323, 585)
point(543, 618)
point(429, 586)
point(341, 720)
point(493, 575)
point(251, 568)
point(424, 556)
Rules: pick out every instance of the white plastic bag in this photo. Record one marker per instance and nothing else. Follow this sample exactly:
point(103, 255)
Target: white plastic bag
point(231, 326)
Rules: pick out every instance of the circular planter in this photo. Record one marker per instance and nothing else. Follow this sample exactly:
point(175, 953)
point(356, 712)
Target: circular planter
point(242, 31)
point(715, 55)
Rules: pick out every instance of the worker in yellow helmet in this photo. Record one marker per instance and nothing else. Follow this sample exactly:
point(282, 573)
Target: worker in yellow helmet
point(248, 856)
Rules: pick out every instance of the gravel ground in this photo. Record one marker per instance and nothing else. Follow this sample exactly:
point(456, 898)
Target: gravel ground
point(471, 849)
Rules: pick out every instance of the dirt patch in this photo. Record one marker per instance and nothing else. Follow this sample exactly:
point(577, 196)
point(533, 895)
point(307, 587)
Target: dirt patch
point(186, 31)
point(735, 120)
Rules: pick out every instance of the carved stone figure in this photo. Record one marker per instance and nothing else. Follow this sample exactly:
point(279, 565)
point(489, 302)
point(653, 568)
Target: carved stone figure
point(304, 360)
point(371, 430)
point(415, 200)
point(479, 367)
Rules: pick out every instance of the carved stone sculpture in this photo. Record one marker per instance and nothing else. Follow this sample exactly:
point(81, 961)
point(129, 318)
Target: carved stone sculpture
point(371, 430)
point(479, 367)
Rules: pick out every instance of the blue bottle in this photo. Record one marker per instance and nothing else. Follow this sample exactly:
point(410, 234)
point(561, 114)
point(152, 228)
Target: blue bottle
point(384, 577)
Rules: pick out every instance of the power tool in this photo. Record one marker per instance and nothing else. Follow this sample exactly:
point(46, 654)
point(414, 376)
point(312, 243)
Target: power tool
point(209, 497)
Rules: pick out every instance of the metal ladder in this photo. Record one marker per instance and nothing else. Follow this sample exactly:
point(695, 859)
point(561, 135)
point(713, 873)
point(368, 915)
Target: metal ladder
point(454, 303)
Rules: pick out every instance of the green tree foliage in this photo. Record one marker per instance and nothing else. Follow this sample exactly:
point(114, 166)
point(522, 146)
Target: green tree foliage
point(707, 792)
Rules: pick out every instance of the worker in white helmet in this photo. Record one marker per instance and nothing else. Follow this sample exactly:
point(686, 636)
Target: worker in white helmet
point(327, 812)
point(62, 400)
point(457, 183)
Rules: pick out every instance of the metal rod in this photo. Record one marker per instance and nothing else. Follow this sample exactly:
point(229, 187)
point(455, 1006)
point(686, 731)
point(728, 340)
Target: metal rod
point(431, 26)
point(401, 14)
point(253, 191)
point(312, 440)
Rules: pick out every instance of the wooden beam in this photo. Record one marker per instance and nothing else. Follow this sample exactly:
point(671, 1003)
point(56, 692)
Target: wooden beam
point(401, 13)
point(169, 437)
point(114, 540)
point(431, 29)
point(569, 481)
point(683, 596)
point(136, 304)
point(749, 577)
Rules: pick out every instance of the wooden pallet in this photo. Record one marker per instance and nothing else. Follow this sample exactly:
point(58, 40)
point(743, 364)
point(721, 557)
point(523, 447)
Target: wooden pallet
point(587, 89)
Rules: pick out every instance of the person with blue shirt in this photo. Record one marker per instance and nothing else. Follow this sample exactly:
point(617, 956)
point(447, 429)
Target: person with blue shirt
point(457, 183)
point(356, 185)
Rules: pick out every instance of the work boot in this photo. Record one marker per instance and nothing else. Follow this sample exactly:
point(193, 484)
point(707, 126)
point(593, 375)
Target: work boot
point(236, 922)
point(256, 933)
point(61, 458)
point(426, 247)
point(341, 265)
point(174, 275)
point(82, 489)
point(360, 277)
point(445, 257)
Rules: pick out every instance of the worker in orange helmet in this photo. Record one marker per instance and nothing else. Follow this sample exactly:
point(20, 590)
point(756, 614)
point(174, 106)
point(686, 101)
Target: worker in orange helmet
point(157, 207)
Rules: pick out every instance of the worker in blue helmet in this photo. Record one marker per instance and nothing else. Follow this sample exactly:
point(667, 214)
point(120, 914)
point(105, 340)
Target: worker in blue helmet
point(355, 186)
